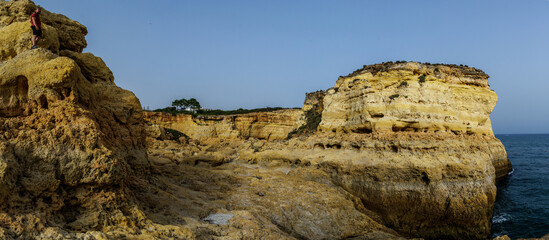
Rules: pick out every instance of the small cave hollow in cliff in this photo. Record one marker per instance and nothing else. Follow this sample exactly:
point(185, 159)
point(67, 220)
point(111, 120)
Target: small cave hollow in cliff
point(12, 95)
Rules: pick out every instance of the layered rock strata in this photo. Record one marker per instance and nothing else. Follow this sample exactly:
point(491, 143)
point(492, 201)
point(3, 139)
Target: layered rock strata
point(413, 97)
point(410, 97)
point(412, 141)
point(76, 162)
point(394, 149)
point(70, 139)
point(262, 125)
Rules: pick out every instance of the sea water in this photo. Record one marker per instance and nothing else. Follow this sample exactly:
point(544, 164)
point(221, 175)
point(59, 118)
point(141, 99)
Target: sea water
point(521, 209)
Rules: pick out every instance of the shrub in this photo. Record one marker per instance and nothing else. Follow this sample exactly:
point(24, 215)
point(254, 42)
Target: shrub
point(421, 78)
point(170, 110)
point(238, 111)
point(403, 84)
point(173, 134)
point(394, 96)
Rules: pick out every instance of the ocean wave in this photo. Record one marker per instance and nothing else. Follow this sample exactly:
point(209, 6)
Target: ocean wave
point(511, 172)
point(500, 218)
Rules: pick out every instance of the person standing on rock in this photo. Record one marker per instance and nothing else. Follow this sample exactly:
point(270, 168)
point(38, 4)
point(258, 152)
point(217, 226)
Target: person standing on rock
point(36, 26)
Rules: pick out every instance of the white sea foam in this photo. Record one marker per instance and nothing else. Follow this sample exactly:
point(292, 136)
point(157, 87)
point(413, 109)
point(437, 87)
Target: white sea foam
point(503, 217)
point(511, 172)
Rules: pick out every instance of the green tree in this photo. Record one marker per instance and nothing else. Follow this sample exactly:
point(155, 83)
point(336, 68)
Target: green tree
point(194, 104)
point(183, 104)
point(180, 104)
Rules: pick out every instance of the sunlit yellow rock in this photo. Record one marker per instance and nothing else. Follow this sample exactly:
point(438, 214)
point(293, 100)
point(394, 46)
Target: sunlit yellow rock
point(263, 125)
point(410, 97)
point(413, 141)
point(16, 38)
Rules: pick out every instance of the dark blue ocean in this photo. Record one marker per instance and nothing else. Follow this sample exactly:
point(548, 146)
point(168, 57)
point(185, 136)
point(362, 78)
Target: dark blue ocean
point(522, 204)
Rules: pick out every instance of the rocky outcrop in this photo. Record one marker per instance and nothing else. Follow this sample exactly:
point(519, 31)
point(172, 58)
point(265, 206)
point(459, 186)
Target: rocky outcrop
point(65, 142)
point(425, 155)
point(76, 162)
point(412, 141)
point(314, 101)
point(274, 202)
point(312, 114)
point(70, 34)
point(441, 188)
point(411, 97)
point(70, 141)
point(15, 39)
point(263, 125)
point(394, 149)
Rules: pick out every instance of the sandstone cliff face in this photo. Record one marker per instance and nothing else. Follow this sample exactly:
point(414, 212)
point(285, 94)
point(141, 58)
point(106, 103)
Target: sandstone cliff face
point(410, 97)
point(78, 161)
point(388, 99)
point(438, 188)
point(263, 125)
point(15, 39)
point(412, 141)
point(71, 34)
point(69, 138)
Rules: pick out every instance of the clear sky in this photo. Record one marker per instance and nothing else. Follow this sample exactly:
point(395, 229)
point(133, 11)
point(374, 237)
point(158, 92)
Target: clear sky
point(250, 54)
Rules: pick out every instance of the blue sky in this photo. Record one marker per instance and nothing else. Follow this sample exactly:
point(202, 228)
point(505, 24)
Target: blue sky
point(249, 54)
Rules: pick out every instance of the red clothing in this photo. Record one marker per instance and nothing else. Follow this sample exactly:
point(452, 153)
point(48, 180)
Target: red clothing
point(36, 19)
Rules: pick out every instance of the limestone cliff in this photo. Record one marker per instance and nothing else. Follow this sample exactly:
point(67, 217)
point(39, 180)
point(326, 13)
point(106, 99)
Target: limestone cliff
point(263, 125)
point(410, 97)
point(393, 150)
point(60, 32)
point(412, 141)
point(76, 161)
point(70, 139)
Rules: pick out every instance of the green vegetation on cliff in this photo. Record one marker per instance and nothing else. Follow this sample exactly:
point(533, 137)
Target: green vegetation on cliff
point(192, 107)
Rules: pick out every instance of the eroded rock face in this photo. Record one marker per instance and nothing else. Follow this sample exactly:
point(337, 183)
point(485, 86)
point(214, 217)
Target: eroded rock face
point(15, 39)
point(265, 202)
point(70, 139)
point(437, 188)
point(71, 33)
point(314, 101)
point(425, 161)
point(389, 98)
point(76, 160)
point(410, 97)
point(264, 125)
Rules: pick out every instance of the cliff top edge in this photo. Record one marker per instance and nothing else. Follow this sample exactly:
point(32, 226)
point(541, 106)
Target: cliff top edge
point(421, 68)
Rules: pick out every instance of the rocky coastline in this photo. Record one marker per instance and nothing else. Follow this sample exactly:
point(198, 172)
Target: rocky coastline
point(428, 173)
point(393, 151)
